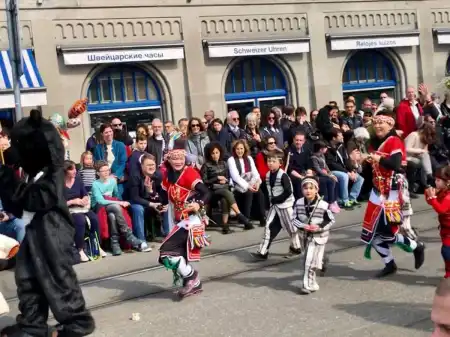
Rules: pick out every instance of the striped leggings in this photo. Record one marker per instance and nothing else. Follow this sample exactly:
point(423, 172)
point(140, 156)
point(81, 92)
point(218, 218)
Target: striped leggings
point(381, 245)
point(276, 220)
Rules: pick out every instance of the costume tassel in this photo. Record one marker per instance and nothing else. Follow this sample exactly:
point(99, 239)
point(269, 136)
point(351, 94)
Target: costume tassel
point(367, 252)
point(404, 247)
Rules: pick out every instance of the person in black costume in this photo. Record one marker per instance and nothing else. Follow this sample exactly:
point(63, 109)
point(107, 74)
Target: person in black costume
point(44, 275)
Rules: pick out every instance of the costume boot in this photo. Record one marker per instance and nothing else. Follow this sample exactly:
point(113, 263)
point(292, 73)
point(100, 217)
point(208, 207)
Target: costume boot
point(419, 255)
point(115, 245)
point(389, 269)
point(15, 331)
point(191, 285)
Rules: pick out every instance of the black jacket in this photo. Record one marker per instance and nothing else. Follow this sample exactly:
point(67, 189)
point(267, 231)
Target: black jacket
point(154, 147)
point(338, 160)
point(299, 162)
point(137, 193)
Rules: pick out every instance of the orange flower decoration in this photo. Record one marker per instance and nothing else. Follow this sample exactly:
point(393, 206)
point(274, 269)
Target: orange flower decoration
point(78, 108)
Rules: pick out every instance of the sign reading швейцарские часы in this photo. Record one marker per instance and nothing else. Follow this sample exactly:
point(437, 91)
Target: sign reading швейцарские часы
point(233, 50)
point(117, 56)
point(373, 43)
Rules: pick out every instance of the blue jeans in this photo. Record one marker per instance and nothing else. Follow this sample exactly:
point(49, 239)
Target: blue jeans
point(14, 229)
point(343, 180)
point(138, 213)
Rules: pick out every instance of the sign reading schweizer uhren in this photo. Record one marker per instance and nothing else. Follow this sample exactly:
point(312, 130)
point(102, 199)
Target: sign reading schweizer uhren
point(258, 49)
point(117, 56)
point(372, 43)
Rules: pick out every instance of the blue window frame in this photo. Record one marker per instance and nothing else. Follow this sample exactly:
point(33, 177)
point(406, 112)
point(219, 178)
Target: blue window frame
point(253, 78)
point(368, 70)
point(120, 88)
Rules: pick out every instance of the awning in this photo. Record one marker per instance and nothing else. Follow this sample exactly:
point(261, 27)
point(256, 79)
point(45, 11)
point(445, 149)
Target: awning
point(74, 55)
point(374, 40)
point(254, 47)
point(33, 92)
point(443, 35)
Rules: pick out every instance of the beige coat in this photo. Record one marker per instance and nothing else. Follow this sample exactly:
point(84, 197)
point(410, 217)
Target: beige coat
point(414, 147)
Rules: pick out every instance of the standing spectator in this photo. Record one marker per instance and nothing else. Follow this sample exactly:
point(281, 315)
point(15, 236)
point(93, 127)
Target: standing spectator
point(234, 131)
point(183, 125)
point(286, 122)
point(339, 163)
point(114, 153)
point(299, 162)
point(156, 143)
point(257, 112)
point(134, 161)
point(323, 121)
point(94, 139)
point(209, 116)
point(253, 136)
point(78, 202)
point(169, 131)
point(271, 128)
point(87, 171)
point(352, 119)
point(196, 142)
point(409, 113)
point(142, 129)
point(220, 134)
point(118, 130)
point(300, 125)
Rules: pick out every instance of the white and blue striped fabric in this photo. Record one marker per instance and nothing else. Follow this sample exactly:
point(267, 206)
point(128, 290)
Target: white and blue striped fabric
point(30, 78)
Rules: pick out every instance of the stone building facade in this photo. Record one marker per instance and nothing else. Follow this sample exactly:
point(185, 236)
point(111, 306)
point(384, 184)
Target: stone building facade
point(178, 58)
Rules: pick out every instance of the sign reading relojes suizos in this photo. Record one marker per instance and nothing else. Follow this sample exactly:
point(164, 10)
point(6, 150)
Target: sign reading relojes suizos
point(373, 43)
point(258, 49)
point(118, 56)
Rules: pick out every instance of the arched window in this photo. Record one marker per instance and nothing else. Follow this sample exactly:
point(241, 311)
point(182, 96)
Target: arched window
point(255, 82)
point(367, 74)
point(128, 93)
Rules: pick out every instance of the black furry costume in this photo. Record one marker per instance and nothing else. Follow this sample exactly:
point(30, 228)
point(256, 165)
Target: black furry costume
point(44, 275)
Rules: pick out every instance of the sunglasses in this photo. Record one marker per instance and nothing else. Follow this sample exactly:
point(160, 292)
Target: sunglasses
point(270, 118)
point(195, 125)
point(236, 119)
point(271, 143)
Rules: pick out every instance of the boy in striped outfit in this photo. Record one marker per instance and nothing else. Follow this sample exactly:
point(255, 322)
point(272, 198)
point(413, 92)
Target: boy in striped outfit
point(312, 217)
point(280, 214)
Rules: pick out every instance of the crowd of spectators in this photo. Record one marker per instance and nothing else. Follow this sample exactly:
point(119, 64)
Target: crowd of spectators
point(114, 191)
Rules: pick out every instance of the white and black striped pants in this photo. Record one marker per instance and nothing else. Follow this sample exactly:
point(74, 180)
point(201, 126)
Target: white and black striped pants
point(312, 261)
point(277, 219)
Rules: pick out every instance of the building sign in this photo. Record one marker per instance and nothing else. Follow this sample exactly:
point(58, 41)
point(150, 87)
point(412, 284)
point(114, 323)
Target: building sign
point(118, 56)
point(443, 38)
point(374, 43)
point(258, 49)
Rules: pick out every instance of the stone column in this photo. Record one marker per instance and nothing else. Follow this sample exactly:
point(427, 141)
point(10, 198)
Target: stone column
point(194, 66)
point(427, 70)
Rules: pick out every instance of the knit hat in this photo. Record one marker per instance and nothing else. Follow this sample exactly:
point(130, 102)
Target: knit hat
point(310, 180)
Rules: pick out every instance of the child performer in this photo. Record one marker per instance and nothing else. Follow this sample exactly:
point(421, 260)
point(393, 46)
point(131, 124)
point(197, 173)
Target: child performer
point(280, 214)
point(314, 218)
point(87, 172)
point(439, 199)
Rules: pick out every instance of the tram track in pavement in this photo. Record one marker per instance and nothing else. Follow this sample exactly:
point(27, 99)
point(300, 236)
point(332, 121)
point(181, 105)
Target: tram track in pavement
point(255, 267)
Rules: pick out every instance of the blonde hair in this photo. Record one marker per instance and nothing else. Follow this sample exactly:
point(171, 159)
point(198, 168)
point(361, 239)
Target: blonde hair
point(84, 155)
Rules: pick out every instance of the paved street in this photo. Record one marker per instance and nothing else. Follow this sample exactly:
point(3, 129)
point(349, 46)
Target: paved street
point(244, 298)
point(266, 302)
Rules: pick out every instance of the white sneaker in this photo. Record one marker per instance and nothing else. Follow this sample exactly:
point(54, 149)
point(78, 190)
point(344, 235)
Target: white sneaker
point(103, 253)
point(145, 247)
point(4, 307)
point(83, 256)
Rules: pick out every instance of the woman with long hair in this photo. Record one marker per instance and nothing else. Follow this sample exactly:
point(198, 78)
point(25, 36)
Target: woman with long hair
point(216, 176)
point(270, 127)
point(197, 139)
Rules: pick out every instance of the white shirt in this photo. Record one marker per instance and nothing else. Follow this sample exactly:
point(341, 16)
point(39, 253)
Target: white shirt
point(234, 173)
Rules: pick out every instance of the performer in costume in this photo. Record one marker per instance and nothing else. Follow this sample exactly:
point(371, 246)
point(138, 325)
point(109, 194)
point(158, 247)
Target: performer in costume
point(314, 219)
point(186, 195)
point(44, 275)
point(282, 200)
point(439, 199)
point(386, 207)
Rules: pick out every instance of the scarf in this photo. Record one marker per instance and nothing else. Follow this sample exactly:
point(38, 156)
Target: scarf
point(196, 139)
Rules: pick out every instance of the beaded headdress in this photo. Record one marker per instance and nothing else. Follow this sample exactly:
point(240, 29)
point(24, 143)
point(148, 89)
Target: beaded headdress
point(176, 154)
point(384, 119)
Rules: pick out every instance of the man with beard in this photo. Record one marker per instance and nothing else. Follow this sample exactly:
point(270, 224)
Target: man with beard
point(186, 195)
point(386, 209)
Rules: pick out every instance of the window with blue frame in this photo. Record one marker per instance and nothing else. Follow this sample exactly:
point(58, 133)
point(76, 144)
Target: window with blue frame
point(121, 88)
point(368, 70)
point(253, 78)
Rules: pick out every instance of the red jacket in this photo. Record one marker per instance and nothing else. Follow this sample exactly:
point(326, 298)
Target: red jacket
point(441, 204)
point(261, 165)
point(405, 117)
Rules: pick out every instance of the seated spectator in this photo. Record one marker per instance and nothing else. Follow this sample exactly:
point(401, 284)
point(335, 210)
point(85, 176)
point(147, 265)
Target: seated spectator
point(323, 121)
point(11, 226)
point(271, 128)
point(328, 183)
point(246, 180)
point(339, 163)
point(78, 202)
point(113, 153)
point(299, 163)
point(197, 139)
point(134, 161)
point(144, 192)
point(216, 177)
point(106, 195)
point(417, 154)
point(360, 144)
point(351, 117)
point(300, 125)
point(87, 171)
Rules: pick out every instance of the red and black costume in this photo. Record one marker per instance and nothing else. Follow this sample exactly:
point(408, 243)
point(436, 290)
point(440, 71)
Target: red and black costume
point(387, 208)
point(184, 242)
point(441, 204)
